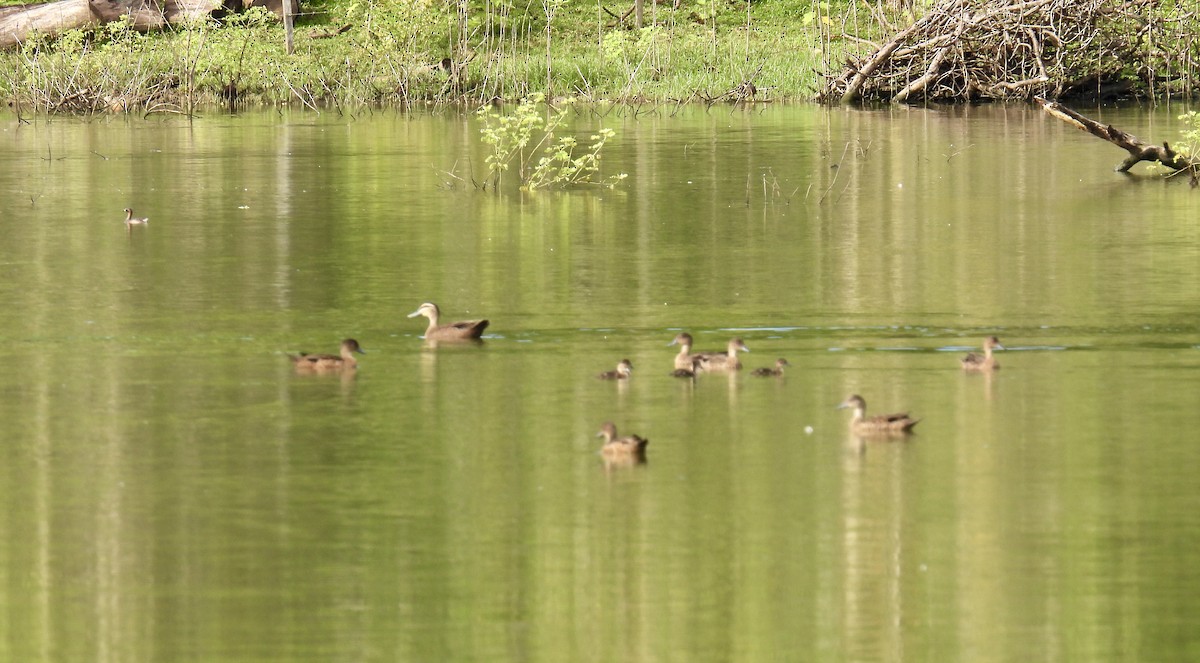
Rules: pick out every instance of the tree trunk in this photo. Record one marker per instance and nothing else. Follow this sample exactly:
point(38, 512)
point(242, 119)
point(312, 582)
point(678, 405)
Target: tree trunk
point(20, 22)
point(1138, 149)
point(17, 23)
point(150, 15)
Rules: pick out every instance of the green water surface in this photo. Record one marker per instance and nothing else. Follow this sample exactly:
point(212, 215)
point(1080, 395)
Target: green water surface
point(172, 491)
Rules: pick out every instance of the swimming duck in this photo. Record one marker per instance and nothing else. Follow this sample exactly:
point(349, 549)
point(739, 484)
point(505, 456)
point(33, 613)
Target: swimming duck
point(320, 363)
point(683, 360)
point(772, 372)
point(880, 424)
point(727, 361)
point(131, 221)
point(469, 329)
point(973, 362)
point(624, 369)
point(688, 372)
point(630, 446)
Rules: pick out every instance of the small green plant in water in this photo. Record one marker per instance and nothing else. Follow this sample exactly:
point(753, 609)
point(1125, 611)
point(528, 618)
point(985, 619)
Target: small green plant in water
point(525, 132)
point(1190, 145)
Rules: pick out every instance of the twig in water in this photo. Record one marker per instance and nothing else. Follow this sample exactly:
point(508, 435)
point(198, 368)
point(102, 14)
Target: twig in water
point(957, 152)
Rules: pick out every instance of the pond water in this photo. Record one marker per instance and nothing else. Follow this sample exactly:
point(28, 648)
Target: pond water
point(173, 491)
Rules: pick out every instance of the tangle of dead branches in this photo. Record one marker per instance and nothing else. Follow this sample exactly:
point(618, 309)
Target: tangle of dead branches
point(964, 50)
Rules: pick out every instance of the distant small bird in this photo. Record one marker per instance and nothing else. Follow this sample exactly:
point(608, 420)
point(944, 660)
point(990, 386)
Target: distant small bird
point(880, 424)
point(630, 447)
point(329, 363)
point(771, 372)
point(130, 220)
point(973, 362)
point(624, 369)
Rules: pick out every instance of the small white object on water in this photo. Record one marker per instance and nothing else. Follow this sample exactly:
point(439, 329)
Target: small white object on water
point(808, 430)
point(900, 185)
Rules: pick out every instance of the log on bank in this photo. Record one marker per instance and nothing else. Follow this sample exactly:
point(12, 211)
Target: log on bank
point(20, 23)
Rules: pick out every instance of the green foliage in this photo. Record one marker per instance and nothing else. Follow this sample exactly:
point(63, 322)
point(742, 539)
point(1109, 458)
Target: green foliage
point(389, 53)
point(1190, 145)
point(518, 135)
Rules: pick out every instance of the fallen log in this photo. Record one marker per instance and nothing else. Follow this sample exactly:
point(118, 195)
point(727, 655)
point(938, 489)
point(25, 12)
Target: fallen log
point(1138, 149)
point(54, 18)
point(18, 24)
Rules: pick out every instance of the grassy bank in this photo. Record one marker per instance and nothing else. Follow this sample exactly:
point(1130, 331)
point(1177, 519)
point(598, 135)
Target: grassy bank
point(352, 54)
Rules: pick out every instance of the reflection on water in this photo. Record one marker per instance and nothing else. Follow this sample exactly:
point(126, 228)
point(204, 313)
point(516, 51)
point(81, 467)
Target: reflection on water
point(174, 490)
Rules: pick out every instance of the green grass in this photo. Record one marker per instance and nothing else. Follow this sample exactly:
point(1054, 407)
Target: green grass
point(389, 53)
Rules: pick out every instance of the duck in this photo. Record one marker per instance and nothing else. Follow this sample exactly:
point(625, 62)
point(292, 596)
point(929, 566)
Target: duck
point(470, 329)
point(624, 369)
point(628, 447)
point(767, 372)
point(726, 361)
point(973, 362)
point(130, 220)
point(880, 424)
point(684, 361)
point(321, 363)
point(688, 372)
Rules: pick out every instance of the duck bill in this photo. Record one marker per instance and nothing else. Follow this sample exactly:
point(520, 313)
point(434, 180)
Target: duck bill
point(414, 313)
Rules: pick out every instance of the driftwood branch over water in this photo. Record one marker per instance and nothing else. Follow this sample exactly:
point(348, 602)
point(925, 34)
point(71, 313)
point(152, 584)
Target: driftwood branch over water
point(964, 50)
point(1138, 149)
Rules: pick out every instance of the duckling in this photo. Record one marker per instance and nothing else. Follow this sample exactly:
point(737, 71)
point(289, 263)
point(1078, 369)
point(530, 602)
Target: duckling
point(630, 446)
point(771, 372)
point(624, 370)
point(470, 329)
point(973, 362)
point(130, 220)
point(324, 363)
point(881, 424)
point(727, 361)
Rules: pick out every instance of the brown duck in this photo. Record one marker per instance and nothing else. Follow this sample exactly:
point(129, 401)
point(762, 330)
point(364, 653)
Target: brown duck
point(327, 363)
point(726, 361)
point(130, 220)
point(628, 447)
point(470, 329)
point(880, 424)
point(973, 362)
point(771, 372)
point(685, 360)
point(624, 370)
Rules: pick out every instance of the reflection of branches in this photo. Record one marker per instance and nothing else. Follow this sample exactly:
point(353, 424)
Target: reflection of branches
point(858, 150)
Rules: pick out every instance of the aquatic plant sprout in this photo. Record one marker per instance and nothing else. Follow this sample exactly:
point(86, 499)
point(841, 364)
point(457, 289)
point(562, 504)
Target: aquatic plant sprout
point(525, 132)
